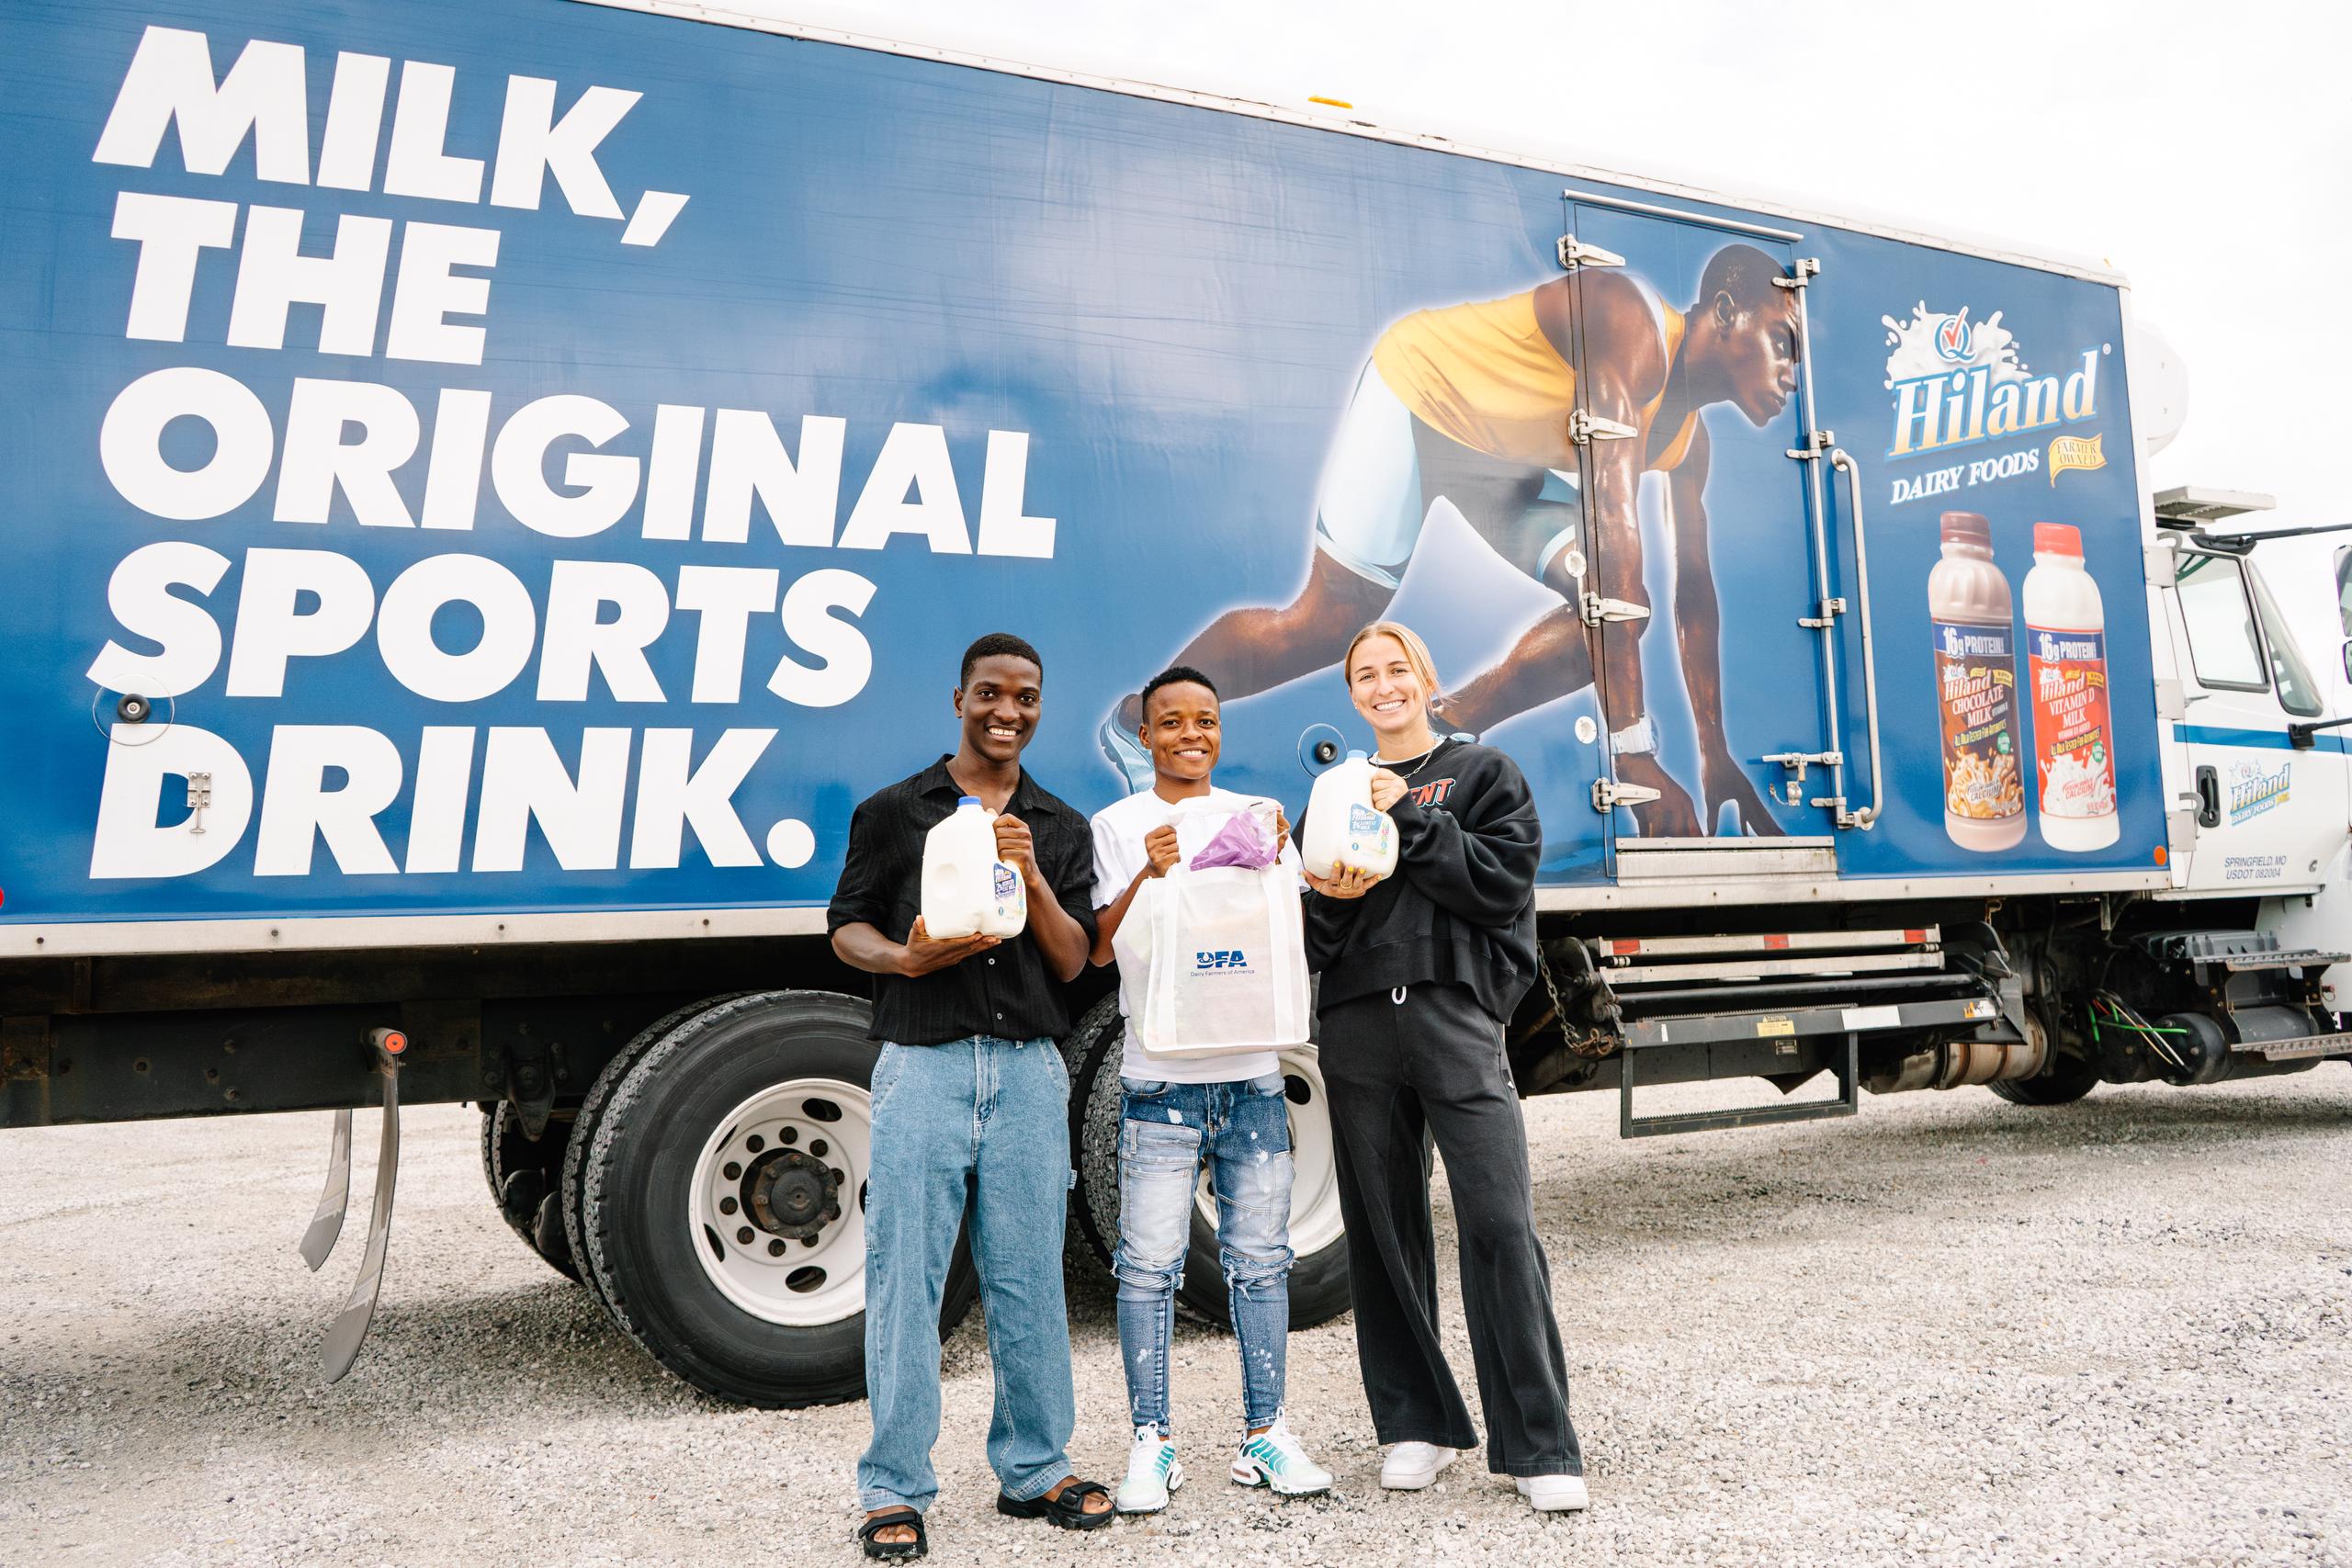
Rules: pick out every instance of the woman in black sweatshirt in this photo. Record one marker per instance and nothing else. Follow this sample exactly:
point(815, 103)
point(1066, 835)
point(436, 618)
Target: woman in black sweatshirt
point(1420, 970)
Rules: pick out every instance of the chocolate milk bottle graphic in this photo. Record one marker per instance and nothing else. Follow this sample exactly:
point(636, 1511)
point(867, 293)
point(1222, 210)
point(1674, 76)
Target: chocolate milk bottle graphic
point(2065, 639)
point(1977, 689)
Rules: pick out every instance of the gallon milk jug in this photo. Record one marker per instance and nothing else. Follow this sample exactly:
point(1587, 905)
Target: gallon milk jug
point(1342, 826)
point(967, 890)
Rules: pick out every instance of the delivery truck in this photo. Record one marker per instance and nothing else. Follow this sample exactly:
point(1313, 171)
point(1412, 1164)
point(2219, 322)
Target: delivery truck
point(492, 485)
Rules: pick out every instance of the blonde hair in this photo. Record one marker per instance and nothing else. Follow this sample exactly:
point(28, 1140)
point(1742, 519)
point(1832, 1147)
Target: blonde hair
point(1417, 652)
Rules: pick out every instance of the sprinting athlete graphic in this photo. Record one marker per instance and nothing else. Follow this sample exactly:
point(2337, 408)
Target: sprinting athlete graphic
point(1471, 405)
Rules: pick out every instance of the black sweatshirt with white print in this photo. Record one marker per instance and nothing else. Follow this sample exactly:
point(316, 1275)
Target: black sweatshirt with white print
point(1460, 908)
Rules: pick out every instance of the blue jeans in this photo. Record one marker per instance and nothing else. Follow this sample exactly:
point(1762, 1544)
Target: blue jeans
point(1165, 1131)
point(995, 1114)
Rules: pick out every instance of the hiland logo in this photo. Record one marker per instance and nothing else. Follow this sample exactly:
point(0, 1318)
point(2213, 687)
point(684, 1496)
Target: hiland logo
point(2254, 791)
point(1222, 958)
point(1957, 382)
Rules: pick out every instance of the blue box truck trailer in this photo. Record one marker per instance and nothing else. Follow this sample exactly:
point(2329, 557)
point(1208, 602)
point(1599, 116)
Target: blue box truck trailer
point(491, 486)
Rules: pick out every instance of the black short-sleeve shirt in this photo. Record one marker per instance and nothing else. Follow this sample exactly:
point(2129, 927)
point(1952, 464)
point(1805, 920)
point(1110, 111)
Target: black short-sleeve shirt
point(1006, 991)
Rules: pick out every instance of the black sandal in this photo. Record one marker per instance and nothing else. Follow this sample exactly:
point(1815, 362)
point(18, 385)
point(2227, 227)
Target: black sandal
point(893, 1550)
point(1067, 1511)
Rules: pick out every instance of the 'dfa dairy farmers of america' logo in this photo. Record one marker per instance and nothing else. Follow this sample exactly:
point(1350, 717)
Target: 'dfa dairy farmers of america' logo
point(2254, 791)
point(1958, 381)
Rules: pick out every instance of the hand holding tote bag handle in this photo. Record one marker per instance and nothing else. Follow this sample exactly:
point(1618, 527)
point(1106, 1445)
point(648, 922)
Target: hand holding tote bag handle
point(1228, 963)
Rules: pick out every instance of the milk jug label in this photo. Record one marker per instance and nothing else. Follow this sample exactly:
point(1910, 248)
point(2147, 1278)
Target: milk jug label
point(1362, 819)
point(1976, 686)
point(1007, 884)
point(2071, 740)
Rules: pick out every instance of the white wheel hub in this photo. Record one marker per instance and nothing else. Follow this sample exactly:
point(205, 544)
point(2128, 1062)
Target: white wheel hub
point(1315, 1182)
point(777, 1205)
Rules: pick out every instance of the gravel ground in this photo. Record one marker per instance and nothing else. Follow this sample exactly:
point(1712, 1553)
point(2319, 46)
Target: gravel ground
point(1954, 1331)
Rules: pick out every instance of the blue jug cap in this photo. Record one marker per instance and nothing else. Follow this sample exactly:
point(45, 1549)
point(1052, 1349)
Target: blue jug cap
point(967, 800)
point(1358, 756)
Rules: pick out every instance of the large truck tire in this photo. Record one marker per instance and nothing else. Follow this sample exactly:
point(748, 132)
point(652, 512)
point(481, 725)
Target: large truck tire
point(2065, 1080)
point(591, 1112)
point(723, 1200)
point(526, 1181)
point(1318, 1280)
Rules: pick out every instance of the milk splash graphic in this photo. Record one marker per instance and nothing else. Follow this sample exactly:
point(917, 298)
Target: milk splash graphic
point(1933, 342)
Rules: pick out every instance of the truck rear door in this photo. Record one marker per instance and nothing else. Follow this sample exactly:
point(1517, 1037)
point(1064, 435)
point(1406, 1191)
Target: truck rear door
point(1709, 585)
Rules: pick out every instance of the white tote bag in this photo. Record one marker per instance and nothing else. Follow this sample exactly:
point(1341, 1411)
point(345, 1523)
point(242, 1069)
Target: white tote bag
point(1228, 963)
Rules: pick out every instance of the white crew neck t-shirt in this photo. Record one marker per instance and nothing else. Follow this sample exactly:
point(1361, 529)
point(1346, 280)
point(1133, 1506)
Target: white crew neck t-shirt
point(1119, 833)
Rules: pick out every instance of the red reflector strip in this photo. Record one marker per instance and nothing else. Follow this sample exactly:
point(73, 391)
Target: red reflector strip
point(1775, 944)
point(1915, 936)
point(1624, 947)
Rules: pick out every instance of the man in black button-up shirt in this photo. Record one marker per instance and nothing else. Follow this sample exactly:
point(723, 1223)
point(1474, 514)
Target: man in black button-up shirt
point(970, 1090)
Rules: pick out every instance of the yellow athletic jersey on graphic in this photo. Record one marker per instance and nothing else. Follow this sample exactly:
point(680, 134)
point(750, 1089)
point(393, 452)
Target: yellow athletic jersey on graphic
point(1484, 374)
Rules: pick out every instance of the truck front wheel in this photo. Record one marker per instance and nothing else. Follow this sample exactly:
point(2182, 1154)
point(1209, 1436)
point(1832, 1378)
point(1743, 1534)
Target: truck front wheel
point(723, 1200)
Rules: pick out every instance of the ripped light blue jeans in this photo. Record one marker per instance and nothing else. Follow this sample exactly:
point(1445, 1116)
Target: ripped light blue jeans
point(1166, 1130)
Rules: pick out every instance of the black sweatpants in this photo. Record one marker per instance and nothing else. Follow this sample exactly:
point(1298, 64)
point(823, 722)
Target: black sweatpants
point(1400, 1071)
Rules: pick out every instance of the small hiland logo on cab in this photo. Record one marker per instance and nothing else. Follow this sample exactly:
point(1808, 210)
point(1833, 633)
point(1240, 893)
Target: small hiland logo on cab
point(2254, 791)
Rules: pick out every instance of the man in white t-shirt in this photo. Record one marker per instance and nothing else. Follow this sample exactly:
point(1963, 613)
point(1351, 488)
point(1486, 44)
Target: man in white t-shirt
point(1176, 1111)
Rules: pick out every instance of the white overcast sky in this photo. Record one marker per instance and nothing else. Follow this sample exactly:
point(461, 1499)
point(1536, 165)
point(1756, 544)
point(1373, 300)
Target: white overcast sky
point(2204, 149)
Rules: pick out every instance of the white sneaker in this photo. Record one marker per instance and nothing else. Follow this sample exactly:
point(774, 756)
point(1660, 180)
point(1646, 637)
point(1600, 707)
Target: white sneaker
point(1554, 1494)
point(1411, 1466)
point(1273, 1459)
point(1152, 1473)
point(1126, 754)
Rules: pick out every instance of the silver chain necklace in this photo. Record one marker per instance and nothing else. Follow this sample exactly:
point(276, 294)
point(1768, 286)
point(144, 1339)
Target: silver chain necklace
point(1398, 767)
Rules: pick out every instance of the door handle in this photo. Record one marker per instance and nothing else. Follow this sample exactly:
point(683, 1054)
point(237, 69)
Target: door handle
point(2209, 797)
point(1853, 472)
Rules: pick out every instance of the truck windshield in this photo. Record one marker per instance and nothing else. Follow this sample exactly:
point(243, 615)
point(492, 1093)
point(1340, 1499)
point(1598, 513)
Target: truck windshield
point(2297, 692)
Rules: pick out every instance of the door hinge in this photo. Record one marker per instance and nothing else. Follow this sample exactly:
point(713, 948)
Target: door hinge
point(2161, 564)
point(1585, 426)
point(1806, 269)
point(1575, 254)
point(1830, 610)
point(1597, 610)
point(1608, 795)
point(1815, 445)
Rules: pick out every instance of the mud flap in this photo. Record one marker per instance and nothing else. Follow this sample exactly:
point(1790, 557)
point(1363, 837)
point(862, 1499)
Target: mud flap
point(350, 1326)
point(326, 1222)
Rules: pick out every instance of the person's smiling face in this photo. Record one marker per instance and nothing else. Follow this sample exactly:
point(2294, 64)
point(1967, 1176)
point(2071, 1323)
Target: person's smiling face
point(1182, 730)
point(1385, 688)
point(999, 706)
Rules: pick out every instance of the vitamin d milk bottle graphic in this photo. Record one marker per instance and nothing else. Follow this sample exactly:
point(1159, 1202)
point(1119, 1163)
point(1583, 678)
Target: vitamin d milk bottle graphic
point(1977, 689)
point(2065, 638)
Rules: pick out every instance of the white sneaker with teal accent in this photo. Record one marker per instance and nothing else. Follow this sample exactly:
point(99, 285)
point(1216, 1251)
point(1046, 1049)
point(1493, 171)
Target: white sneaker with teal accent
point(1273, 1459)
point(1127, 754)
point(1152, 1473)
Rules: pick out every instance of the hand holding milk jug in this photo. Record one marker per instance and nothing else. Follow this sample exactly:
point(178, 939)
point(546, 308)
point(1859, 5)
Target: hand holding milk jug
point(967, 890)
point(1343, 828)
